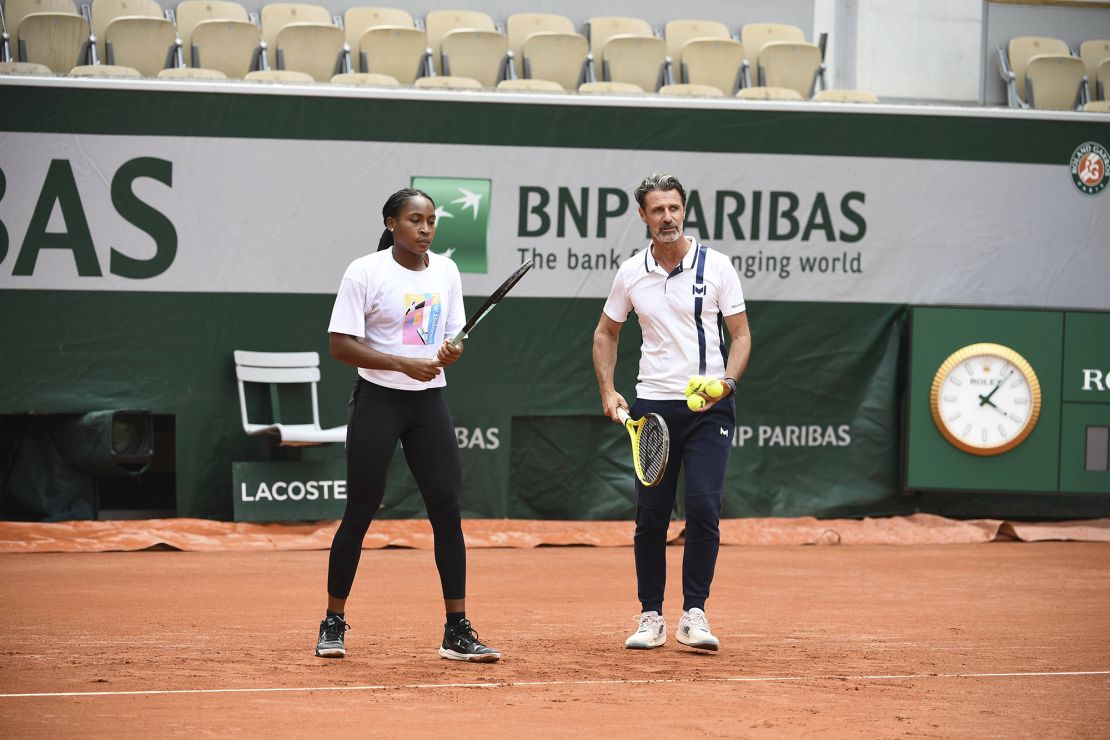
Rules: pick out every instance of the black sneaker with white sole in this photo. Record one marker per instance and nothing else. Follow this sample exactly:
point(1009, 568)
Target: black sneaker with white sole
point(460, 642)
point(330, 643)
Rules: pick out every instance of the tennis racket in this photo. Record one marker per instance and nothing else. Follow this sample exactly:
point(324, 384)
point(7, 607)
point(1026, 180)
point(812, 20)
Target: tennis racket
point(492, 301)
point(651, 446)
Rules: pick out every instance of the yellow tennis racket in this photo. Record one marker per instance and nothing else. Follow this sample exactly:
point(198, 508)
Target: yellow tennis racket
point(651, 446)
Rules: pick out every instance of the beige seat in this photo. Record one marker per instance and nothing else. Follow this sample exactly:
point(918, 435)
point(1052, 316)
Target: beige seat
point(57, 40)
point(23, 68)
point(106, 11)
point(688, 90)
point(1101, 85)
point(191, 73)
point(555, 56)
point(768, 93)
point(520, 26)
point(1094, 52)
point(1054, 82)
point(365, 78)
point(1097, 106)
point(146, 44)
point(228, 46)
point(277, 16)
point(448, 82)
point(398, 51)
point(530, 85)
point(717, 62)
point(603, 28)
point(678, 32)
point(104, 70)
point(356, 21)
point(1019, 51)
point(439, 23)
point(476, 54)
point(635, 59)
point(846, 96)
point(754, 36)
point(314, 48)
point(16, 10)
point(191, 12)
point(611, 88)
point(278, 75)
point(790, 64)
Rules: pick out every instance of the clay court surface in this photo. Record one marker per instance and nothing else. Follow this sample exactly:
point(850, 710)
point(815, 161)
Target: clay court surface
point(988, 640)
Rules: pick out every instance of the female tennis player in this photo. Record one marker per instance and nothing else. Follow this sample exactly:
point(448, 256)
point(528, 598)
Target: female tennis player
point(395, 311)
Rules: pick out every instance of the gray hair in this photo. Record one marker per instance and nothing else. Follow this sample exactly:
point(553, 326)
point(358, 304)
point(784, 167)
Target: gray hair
point(659, 181)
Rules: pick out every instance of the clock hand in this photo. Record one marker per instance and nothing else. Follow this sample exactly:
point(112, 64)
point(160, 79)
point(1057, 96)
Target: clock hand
point(987, 398)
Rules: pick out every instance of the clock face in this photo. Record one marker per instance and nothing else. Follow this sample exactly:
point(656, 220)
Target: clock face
point(985, 399)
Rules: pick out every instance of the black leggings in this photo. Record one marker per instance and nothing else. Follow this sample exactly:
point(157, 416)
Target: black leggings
point(377, 417)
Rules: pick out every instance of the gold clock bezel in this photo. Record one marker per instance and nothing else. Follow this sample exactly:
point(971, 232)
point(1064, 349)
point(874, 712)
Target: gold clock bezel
point(1010, 356)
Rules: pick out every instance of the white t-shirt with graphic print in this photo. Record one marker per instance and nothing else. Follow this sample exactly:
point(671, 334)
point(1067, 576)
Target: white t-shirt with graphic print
point(679, 330)
point(400, 312)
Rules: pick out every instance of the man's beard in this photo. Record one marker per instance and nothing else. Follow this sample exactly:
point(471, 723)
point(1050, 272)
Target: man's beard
point(672, 236)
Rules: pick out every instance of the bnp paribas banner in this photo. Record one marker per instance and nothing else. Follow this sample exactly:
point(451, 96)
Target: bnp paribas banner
point(170, 213)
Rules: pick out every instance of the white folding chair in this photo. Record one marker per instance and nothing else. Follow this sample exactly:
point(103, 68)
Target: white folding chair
point(274, 369)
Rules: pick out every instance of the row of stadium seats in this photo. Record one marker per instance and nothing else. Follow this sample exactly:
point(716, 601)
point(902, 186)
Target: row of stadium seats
point(1042, 72)
point(220, 35)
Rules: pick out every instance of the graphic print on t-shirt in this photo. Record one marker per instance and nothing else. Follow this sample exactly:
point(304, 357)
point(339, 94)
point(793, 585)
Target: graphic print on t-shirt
point(421, 318)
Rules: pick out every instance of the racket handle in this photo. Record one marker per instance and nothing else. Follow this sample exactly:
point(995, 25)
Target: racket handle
point(456, 341)
point(622, 415)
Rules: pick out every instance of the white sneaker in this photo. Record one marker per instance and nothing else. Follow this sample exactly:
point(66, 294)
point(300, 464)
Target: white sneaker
point(693, 630)
point(651, 633)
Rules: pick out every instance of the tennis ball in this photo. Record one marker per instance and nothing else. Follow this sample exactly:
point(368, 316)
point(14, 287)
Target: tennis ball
point(714, 388)
point(694, 384)
point(695, 402)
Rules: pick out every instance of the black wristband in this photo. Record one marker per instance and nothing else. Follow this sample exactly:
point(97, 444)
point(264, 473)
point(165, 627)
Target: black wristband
point(730, 383)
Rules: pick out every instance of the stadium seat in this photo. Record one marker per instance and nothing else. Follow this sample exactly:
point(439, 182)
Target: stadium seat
point(191, 12)
point(1102, 81)
point(59, 41)
point(191, 73)
point(16, 10)
point(688, 90)
point(678, 32)
point(23, 68)
point(636, 59)
point(278, 75)
point(228, 46)
point(104, 70)
point(560, 57)
point(397, 51)
point(602, 28)
point(480, 55)
point(716, 62)
point(275, 369)
point(356, 21)
point(520, 26)
point(1013, 60)
point(754, 36)
point(448, 82)
point(530, 85)
point(365, 78)
point(846, 96)
point(611, 88)
point(768, 93)
point(276, 16)
point(795, 65)
point(1097, 106)
point(441, 22)
point(146, 44)
point(314, 48)
point(106, 11)
point(1054, 82)
point(1094, 52)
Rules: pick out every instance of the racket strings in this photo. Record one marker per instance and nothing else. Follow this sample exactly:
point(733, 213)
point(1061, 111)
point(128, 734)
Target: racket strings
point(653, 450)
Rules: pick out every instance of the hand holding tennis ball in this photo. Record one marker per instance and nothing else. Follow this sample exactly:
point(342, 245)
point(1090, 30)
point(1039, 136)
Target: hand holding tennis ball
point(695, 402)
point(714, 388)
point(695, 384)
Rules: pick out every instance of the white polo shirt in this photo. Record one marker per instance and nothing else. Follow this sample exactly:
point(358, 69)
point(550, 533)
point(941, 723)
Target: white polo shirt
point(681, 316)
point(399, 311)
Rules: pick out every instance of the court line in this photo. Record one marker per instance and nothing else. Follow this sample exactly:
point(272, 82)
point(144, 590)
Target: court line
point(584, 682)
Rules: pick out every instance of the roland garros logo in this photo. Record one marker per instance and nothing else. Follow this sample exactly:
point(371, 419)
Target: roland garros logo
point(1090, 168)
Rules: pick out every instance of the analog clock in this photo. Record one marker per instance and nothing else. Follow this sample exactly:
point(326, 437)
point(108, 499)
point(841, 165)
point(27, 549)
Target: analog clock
point(985, 399)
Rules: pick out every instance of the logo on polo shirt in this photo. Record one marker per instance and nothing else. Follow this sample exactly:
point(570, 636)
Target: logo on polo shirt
point(699, 290)
point(462, 218)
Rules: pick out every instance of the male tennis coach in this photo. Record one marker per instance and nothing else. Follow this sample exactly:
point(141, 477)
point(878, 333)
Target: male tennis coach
point(686, 296)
